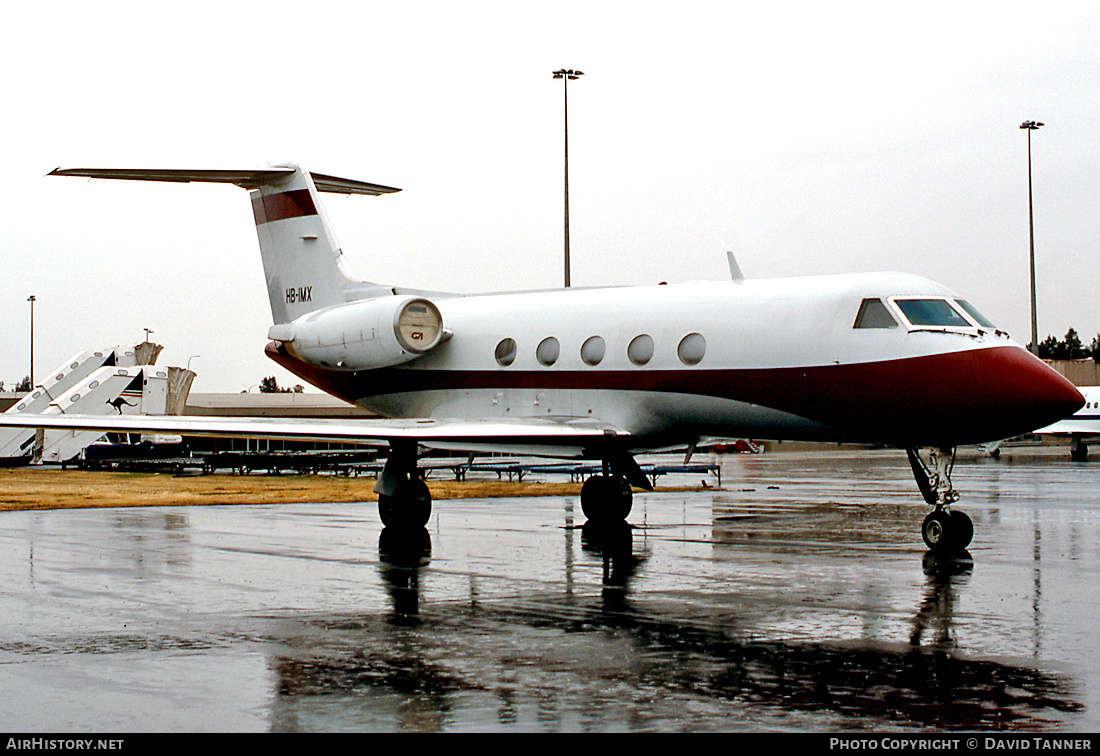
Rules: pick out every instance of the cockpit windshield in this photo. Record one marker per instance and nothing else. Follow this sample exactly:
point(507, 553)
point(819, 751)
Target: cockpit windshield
point(972, 311)
point(932, 312)
point(873, 314)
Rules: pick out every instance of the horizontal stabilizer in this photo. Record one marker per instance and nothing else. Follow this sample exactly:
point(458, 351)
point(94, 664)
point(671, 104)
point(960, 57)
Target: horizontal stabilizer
point(246, 179)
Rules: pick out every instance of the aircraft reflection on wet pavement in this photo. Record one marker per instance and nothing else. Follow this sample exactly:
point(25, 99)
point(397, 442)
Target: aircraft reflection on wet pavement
point(636, 666)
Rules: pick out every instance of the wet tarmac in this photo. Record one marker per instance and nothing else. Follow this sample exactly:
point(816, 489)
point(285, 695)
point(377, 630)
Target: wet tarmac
point(799, 598)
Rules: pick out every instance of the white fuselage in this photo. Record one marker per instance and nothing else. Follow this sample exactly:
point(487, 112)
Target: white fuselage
point(778, 358)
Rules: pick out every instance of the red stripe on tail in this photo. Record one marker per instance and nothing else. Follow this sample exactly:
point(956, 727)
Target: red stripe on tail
point(272, 207)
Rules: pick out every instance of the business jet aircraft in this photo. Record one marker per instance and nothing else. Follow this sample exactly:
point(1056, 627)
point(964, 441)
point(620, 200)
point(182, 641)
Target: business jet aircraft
point(1080, 426)
point(606, 373)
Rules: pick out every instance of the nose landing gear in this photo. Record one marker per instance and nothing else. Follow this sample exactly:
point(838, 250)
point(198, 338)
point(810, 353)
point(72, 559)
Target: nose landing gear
point(943, 530)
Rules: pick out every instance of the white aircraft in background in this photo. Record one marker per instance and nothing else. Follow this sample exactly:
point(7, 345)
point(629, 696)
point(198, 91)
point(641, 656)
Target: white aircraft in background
point(1081, 425)
point(607, 373)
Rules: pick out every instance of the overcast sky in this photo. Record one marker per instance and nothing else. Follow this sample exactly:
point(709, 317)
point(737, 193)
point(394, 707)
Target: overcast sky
point(808, 137)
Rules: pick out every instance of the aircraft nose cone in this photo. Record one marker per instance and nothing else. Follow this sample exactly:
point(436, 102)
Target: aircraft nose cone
point(1031, 391)
point(954, 398)
point(981, 395)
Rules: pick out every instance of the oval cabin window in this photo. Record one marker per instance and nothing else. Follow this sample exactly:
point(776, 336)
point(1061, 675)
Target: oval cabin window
point(640, 350)
point(692, 349)
point(506, 352)
point(548, 351)
point(593, 351)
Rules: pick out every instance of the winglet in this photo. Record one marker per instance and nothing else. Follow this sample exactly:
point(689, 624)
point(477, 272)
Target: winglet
point(735, 270)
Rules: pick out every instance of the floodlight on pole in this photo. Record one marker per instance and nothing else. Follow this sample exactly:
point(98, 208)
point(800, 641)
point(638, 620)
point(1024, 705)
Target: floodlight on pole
point(567, 75)
point(1031, 126)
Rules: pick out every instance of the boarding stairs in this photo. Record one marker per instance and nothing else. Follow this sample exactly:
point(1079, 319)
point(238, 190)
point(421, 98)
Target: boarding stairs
point(121, 380)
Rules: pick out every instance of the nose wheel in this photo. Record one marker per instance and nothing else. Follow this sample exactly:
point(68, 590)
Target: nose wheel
point(943, 529)
point(947, 531)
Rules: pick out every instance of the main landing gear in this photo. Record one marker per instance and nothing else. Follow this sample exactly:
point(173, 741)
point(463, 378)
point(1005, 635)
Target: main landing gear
point(403, 498)
point(1078, 449)
point(606, 498)
point(943, 530)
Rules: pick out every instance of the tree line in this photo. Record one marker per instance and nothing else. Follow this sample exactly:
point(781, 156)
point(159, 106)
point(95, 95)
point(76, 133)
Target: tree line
point(1069, 348)
point(270, 386)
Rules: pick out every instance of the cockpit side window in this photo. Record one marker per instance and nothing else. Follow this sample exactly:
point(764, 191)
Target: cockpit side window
point(972, 311)
point(873, 314)
point(932, 312)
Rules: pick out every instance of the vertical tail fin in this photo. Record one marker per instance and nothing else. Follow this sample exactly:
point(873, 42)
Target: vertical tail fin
point(303, 263)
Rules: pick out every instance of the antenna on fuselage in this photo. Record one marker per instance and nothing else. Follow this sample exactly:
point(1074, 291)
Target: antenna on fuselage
point(735, 270)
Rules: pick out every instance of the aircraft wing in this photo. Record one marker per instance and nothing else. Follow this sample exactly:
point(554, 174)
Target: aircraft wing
point(1072, 426)
point(566, 432)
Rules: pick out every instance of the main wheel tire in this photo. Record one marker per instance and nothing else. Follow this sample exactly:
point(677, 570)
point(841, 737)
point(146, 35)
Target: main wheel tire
point(936, 531)
point(606, 498)
point(409, 506)
point(1079, 452)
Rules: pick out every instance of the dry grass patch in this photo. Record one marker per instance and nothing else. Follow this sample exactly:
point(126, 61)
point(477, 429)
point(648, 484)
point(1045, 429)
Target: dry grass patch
point(49, 488)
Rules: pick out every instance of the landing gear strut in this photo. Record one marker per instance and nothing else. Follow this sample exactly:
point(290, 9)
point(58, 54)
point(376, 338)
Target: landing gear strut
point(942, 530)
point(403, 498)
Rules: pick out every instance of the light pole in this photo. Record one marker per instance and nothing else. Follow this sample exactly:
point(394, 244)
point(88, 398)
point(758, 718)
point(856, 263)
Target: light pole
point(566, 76)
point(31, 300)
point(1031, 126)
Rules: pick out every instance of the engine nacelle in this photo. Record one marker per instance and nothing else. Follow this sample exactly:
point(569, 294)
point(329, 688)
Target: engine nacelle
point(362, 335)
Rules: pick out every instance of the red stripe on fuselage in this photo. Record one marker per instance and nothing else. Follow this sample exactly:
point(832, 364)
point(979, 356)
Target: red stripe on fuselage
point(273, 207)
point(945, 399)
